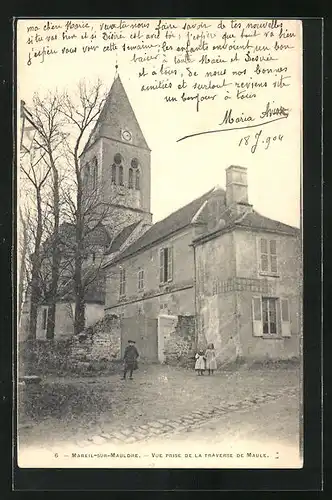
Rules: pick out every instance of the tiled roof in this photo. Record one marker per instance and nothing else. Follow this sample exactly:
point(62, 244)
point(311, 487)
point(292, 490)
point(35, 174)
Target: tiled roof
point(121, 238)
point(99, 236)
point(258, 221)
point(231, 219)
point(177, 220)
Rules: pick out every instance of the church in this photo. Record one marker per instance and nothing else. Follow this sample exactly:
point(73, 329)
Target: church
point(232, 272)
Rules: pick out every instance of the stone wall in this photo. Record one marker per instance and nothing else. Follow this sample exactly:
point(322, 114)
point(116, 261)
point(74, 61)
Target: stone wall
point(179, 344)
point(102, 341)
point(93, 349)
point(42, 357)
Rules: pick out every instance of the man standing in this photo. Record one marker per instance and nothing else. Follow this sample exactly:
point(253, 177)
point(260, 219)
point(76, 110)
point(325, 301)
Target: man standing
point(130, 359)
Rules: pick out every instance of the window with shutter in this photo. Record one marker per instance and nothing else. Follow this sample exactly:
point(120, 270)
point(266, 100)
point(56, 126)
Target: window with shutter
point(268, 256)
point(140, 279)
point(170, 264)
point(273, 256)
point(166, 265)
point(264, 256)
point(257, 316)
point(122, 282)
point(162, 266)
point(285, 319)
point(269, 316)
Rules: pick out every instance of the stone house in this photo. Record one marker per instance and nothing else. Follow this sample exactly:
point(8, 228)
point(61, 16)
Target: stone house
point(248, 276)
point(155, 274)
point(217, 259)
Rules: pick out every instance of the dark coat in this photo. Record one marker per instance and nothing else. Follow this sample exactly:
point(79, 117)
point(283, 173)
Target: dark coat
point(130, 356)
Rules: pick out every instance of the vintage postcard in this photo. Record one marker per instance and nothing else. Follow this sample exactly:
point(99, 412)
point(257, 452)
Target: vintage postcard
point(159, 270)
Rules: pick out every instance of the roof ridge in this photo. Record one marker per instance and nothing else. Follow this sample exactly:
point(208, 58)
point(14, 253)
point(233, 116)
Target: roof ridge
point(184, 206)
point(144, 239)
point(272, 220)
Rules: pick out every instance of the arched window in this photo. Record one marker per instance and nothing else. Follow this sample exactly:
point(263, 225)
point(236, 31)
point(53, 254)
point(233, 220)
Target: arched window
point(121, 175)
point(113, 173)
point(134, 163)
point(130, 179)
point(94, 172)
point(137, 180)
point(86, 173)
point(117, 159)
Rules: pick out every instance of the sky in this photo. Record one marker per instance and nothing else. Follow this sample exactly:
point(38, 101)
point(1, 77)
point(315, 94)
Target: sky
point(182, 171)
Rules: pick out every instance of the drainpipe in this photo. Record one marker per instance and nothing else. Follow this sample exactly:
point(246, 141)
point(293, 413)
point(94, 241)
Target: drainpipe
point(237, 337)
point(195, 297)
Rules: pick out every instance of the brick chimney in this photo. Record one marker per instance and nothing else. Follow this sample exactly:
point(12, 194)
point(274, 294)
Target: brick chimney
point(237, 189)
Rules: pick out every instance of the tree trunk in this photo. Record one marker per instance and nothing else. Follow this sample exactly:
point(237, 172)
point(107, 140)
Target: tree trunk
point(35, 273)
point(22, 267)
point(79, 322)
point(56, 256)
point(33, 308)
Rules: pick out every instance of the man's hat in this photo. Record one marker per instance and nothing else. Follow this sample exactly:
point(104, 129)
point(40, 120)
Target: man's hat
point(132, 341)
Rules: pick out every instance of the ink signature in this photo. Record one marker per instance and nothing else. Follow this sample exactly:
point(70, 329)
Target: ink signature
point(269, 114)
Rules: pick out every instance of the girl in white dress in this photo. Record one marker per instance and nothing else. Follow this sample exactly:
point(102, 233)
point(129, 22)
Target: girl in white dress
point(200, 363)
point(210, 356)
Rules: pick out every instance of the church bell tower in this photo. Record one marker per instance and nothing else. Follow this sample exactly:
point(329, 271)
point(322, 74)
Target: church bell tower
point(116, 161)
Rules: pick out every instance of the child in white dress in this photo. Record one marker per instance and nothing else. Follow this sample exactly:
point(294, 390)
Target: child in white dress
point(210, 356)
point(200, 363)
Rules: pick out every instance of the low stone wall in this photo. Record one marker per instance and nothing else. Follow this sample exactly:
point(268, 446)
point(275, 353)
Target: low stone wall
point(100, 342)
point(95, 348)
point(179, 345)
point(41, 357)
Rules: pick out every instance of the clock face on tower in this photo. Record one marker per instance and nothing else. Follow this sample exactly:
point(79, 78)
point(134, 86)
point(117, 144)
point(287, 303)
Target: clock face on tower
point(126, 135)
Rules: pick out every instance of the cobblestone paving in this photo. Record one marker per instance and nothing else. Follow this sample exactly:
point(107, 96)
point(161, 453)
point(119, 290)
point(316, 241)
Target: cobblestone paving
point(193, 420)
point(160, 401)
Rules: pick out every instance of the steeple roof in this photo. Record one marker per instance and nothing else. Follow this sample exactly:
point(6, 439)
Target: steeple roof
point(116, 116)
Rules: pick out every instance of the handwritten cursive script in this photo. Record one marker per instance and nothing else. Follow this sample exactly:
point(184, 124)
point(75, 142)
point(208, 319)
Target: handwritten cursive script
point(230, 118)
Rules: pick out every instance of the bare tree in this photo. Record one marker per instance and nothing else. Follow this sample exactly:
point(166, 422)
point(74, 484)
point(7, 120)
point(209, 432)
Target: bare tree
point(48, 121)
point(80, 113)
point(62, 123)
point(36, 172)
point(24, 248)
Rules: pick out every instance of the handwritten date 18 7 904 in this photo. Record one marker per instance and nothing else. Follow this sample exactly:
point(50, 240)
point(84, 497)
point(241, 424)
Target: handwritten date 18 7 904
point(255, 140)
